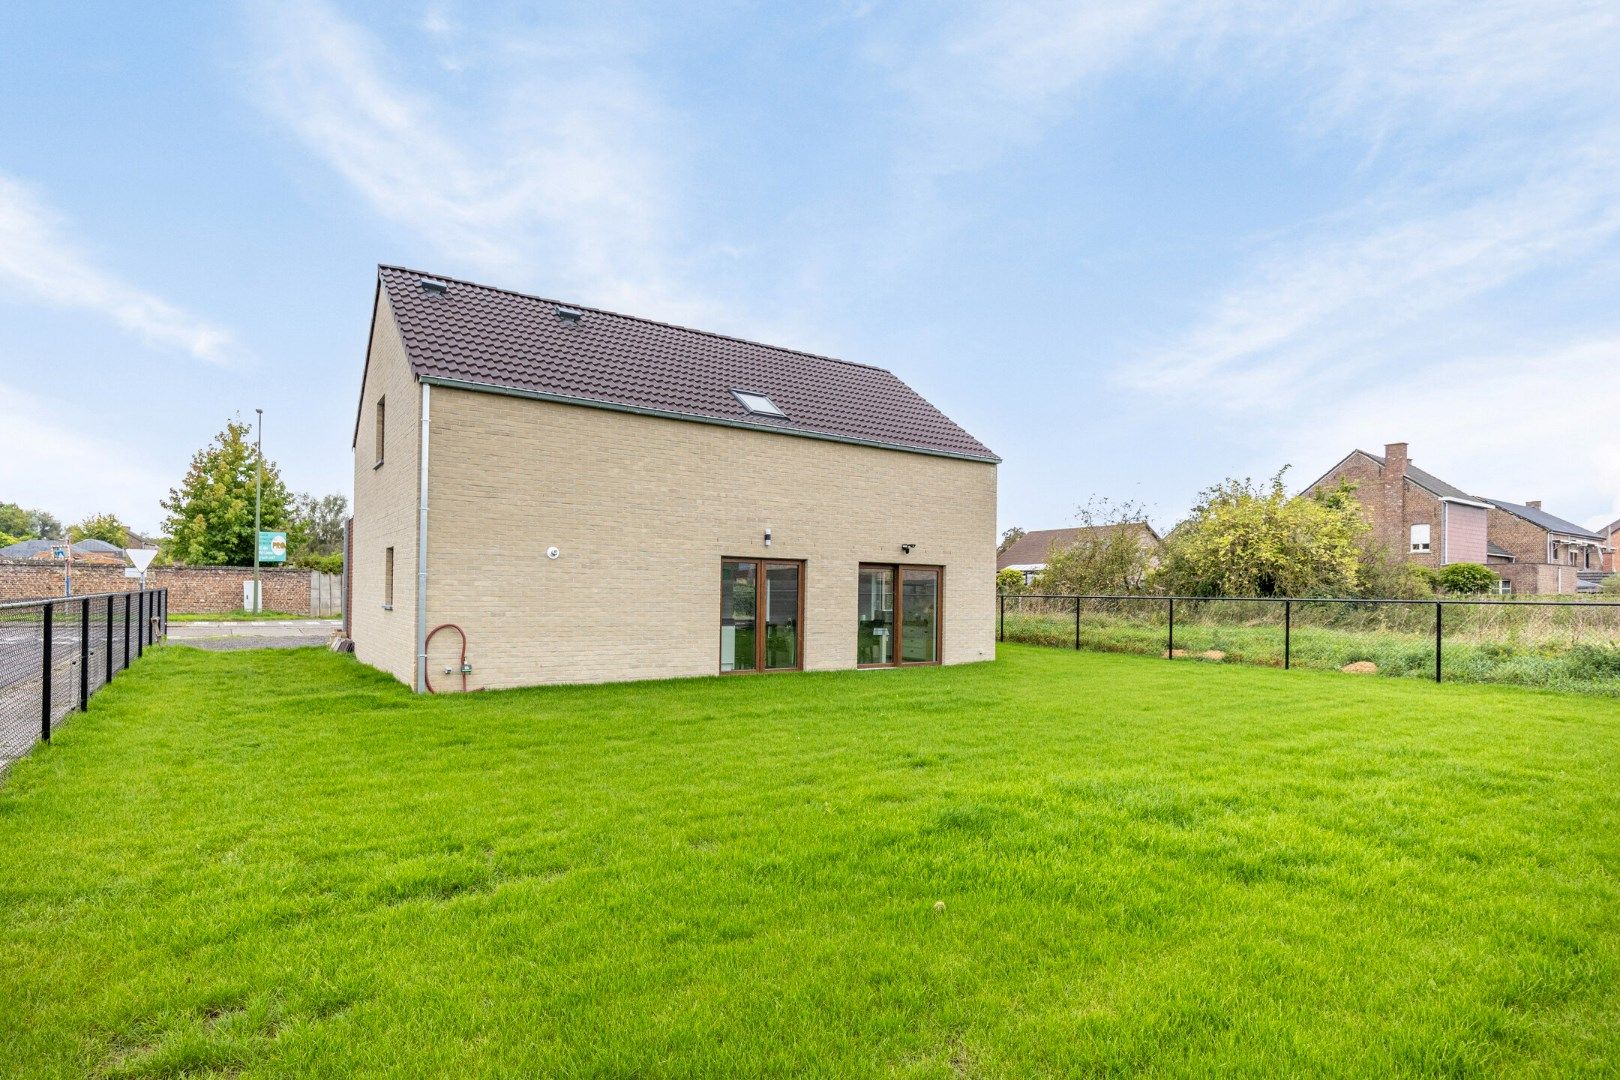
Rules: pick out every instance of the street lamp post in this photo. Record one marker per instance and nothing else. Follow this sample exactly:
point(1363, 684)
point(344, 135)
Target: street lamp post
point(258, 489)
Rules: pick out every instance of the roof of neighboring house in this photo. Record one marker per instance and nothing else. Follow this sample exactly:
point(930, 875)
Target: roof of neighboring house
point(28, 549)
point(1550, 522)
point(478, 337)
point(1499, 552)
point(1611, 528)
point(1430, 482)
point(1029, 551)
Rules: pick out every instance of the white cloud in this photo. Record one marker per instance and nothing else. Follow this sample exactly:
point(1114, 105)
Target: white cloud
point(1531, 424)
point(562, 173)
point(52, 463)
point(38, 257)
point(1492, 128)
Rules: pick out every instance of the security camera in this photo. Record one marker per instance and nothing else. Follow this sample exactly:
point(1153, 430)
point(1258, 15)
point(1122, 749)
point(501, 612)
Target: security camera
point(906, 548)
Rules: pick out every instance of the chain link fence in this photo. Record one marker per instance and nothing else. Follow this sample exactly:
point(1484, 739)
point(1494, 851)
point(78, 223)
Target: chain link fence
point(55, 654)
point(1561, 645)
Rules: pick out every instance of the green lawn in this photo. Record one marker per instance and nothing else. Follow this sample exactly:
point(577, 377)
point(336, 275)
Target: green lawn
point(282, 864)
point(241, 616)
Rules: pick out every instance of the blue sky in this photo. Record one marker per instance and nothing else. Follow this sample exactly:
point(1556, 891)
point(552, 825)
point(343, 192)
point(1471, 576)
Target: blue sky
point(1133, 248)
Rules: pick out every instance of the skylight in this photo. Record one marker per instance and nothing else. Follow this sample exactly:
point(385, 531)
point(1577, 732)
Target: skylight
point(758, 404)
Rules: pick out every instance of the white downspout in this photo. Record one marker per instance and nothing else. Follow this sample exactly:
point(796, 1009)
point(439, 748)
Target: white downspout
point(421, 551)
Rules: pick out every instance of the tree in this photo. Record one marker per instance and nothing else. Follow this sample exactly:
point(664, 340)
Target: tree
point(1112, 555)
point(210, 520)
point(1467, 579)
point(321, 521)
point(22, 524)
point(1248, 539)
point(1010, 580)
point(1009, 538)
point(101, 527)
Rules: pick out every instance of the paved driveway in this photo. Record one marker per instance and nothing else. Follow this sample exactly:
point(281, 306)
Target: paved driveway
point(269, 634)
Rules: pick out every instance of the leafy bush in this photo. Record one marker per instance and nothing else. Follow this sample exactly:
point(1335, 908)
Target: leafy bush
point(1466, 578)
point(326, 564)
point(1010, 581)
point(1611, 585)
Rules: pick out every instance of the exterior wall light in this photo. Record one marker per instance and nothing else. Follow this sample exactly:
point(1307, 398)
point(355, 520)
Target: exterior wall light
point(767, 536)
point(905, 549)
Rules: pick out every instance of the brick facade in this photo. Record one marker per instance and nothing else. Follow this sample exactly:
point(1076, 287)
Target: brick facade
point(192, 589)
point(642, 510)
point(1395, 496)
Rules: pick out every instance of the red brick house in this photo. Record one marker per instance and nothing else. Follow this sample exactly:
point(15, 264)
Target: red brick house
point(1611, 537)
point(1427, 521)
point(1029, 552)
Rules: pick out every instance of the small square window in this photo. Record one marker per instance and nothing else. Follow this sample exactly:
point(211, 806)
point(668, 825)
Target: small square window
point(758, 404)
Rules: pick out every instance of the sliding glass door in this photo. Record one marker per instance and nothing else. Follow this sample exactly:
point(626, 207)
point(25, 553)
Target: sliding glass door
point(898, 620)
point(919, 616)
point(875, 643)
point(761, 615)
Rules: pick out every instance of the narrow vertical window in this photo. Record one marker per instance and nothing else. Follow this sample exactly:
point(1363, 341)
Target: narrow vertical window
point(388, 579)
point(382, 408)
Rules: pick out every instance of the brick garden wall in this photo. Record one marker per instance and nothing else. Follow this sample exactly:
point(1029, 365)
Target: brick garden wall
point(192, 589)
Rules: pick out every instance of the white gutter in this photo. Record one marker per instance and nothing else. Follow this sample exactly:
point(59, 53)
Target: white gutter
point(1466, 502)
point(421, 551)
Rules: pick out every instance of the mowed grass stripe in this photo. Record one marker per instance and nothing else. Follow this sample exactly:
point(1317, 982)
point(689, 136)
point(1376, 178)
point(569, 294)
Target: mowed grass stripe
point(281, 863)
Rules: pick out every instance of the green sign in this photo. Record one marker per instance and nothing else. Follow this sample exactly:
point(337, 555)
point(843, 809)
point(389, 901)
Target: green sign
point(272, 546)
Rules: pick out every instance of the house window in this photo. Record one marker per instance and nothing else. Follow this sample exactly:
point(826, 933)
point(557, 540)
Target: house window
point(381, 413)
point(758, 404)
point(1504, 587)
point(1420, 538)
point(761, 615)
point(388, 580)
point(897, 620)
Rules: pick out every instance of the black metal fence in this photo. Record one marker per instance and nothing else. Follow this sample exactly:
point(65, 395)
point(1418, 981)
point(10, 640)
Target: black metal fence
point(56, 653)
point(1562, 645)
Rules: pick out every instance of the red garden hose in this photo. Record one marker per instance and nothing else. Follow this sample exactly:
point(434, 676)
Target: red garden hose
point(427, 678)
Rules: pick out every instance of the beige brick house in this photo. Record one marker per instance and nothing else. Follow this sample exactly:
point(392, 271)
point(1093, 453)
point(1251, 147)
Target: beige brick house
point(1428, 521)
point(548, 493)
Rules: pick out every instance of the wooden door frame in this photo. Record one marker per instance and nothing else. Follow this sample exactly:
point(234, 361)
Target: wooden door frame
point(761, 564)
point(899, 612)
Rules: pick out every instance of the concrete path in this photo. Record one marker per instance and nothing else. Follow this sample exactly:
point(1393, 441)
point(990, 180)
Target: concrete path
point(266, 634)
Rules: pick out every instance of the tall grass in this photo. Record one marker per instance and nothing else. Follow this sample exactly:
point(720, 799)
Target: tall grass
point(1573, 646)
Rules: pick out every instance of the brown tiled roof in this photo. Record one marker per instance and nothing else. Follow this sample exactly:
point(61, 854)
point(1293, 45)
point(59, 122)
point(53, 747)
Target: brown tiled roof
point(1032, 548)
point(478, 336)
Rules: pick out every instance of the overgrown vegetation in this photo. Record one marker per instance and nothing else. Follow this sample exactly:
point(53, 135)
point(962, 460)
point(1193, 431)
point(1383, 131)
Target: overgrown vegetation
point(1466, 579)
point(284, 864)
point(1567, 647)
point(1113, 554)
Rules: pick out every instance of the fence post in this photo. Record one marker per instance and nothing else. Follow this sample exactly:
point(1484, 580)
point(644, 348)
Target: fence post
point(1439, 608)
point(1077, 624)
point(109, 637)
point(84, 655)
point(1288, 634)
point(165, 617)
point(1001, 632)
point(1170, 648)
point(140, 624)
point(126, 631)
point(45, 693)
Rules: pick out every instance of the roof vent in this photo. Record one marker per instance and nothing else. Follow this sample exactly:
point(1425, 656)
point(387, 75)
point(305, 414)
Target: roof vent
point(435, 287)
point(570, 315)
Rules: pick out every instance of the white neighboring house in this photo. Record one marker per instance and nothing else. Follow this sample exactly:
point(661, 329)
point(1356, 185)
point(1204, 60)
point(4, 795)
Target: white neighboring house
point(1029, 553)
